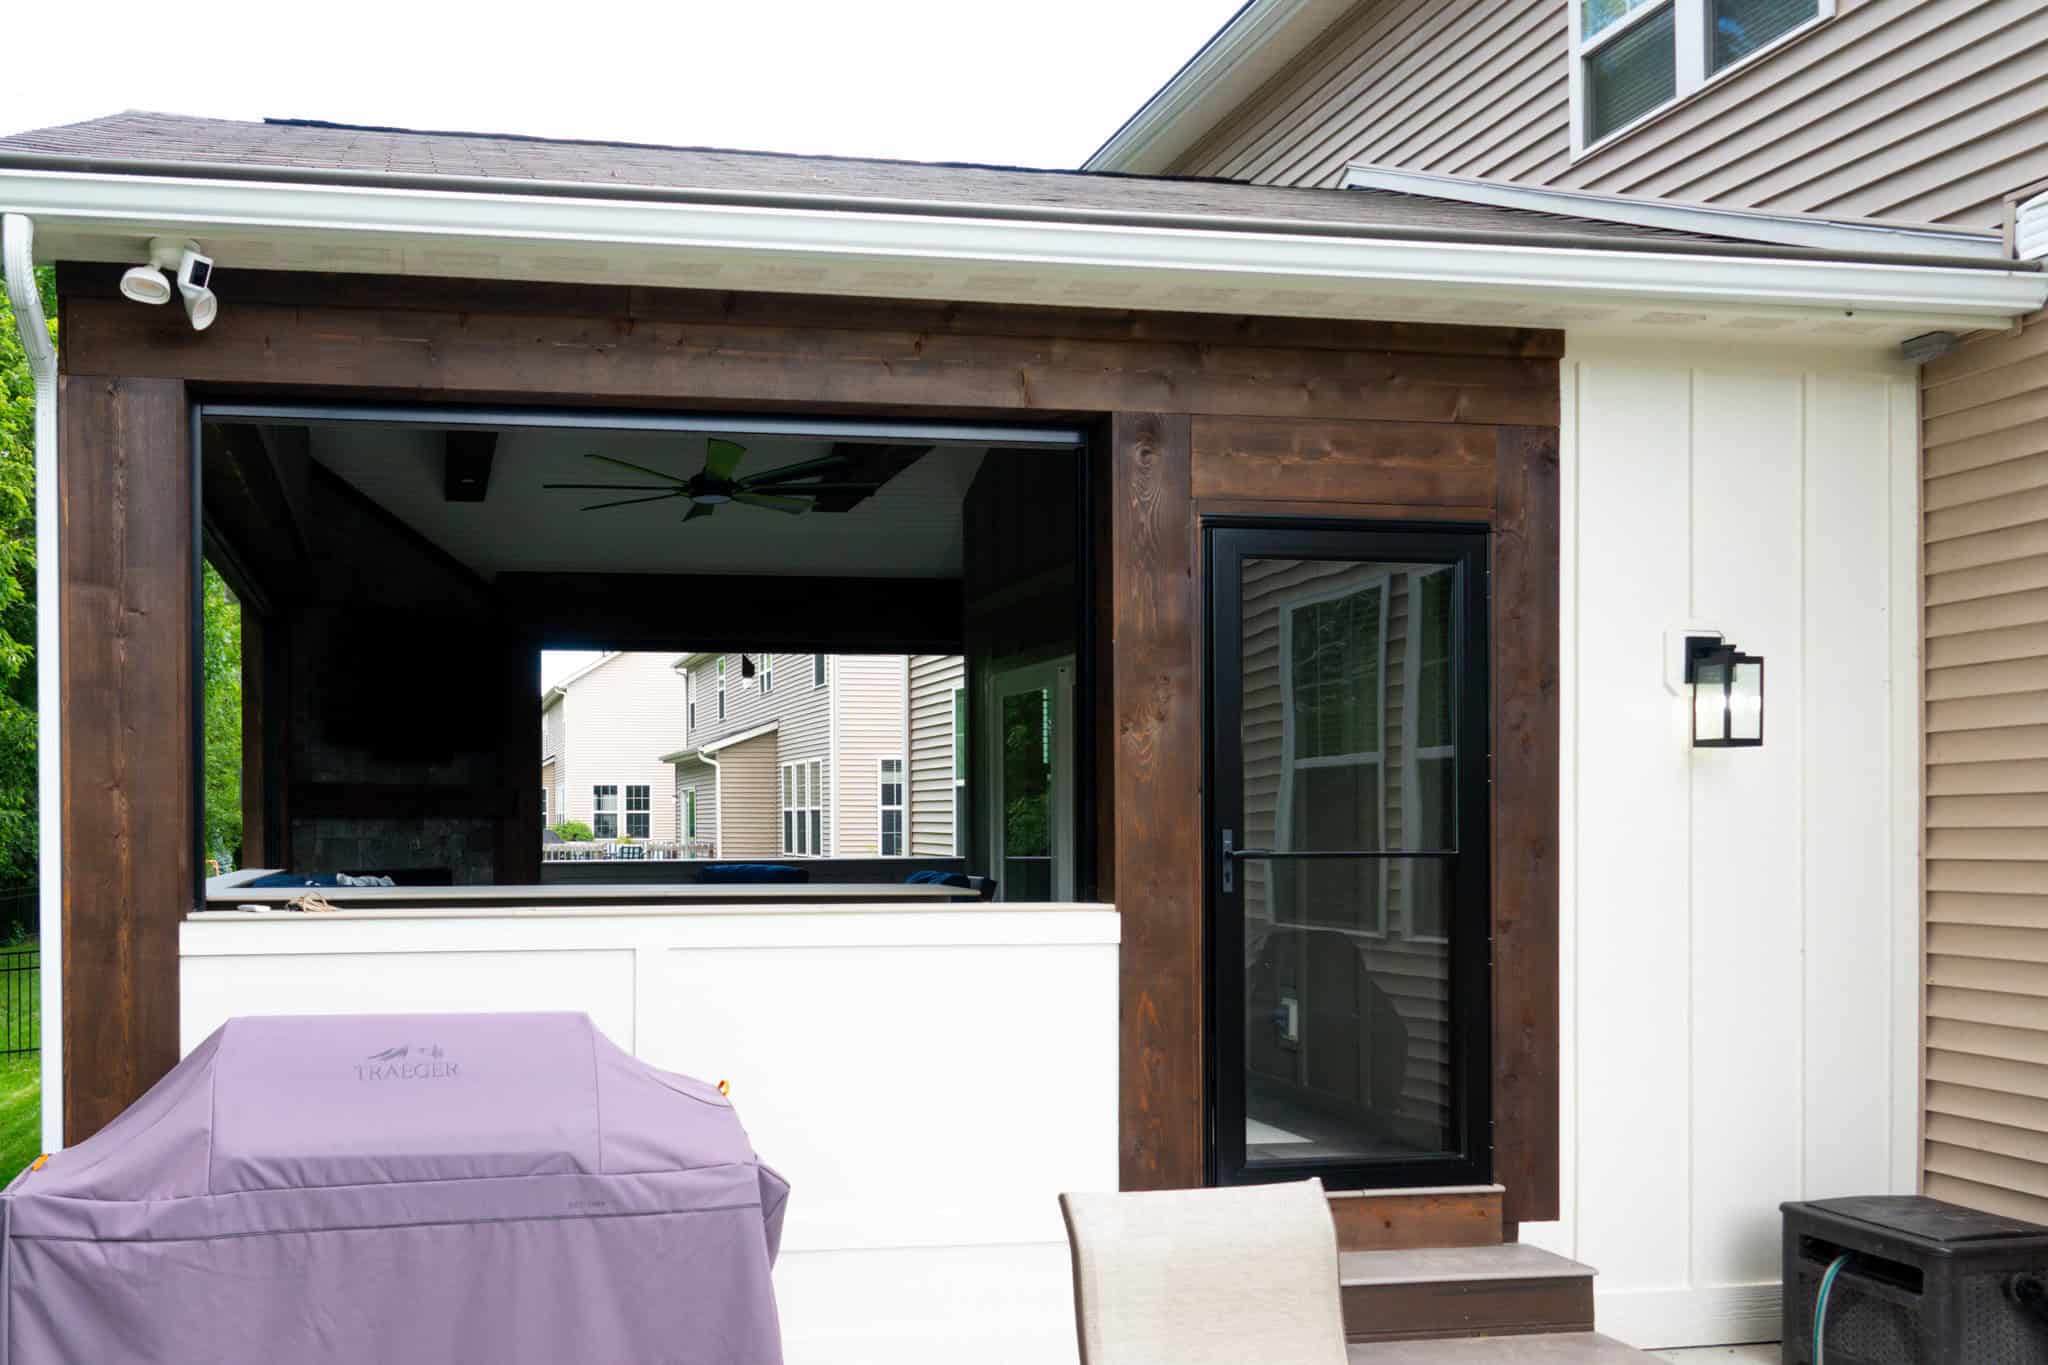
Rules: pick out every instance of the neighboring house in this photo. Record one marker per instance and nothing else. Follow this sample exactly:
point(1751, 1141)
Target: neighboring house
point(604, 729)
point(810, 756)
point(1737, 116)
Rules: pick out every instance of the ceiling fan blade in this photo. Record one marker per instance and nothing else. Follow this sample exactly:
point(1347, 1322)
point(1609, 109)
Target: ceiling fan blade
point(699, 509)
point(614, 487)
point(803, 490)
point(793, 506)
point(628, 502)
point(636, 468)
point(800, 469)
point(722, 458)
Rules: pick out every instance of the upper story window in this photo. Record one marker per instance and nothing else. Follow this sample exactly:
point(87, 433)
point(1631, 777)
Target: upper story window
point(817, 670)
point(767, 673)
point(689, 707)
point(1630, 58)
point(721, 687)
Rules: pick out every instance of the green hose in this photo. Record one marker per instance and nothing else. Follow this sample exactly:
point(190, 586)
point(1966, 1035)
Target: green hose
point(1820, 1304)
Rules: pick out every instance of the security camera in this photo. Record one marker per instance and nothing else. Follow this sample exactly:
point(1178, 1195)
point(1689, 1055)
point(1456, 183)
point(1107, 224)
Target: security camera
point(195, 279)
point(192, 270)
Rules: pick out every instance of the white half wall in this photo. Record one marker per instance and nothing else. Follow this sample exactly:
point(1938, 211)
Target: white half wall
point(1740, 927)
point(928, 1080)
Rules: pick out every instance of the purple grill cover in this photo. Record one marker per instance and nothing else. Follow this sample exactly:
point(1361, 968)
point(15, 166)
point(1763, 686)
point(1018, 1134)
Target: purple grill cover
point(400, 1189)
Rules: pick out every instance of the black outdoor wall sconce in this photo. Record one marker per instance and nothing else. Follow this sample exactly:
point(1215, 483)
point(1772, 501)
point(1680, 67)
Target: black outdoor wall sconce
point(1727, 694)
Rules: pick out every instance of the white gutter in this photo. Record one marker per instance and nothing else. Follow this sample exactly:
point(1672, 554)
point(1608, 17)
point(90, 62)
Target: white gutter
point(17, 245)
point(741, 738)
point(1780, 229)
point(414, 224)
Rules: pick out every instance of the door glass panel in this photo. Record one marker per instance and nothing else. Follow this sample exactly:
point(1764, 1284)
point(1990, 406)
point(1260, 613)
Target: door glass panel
point(1026, 721)
point(1349, 765)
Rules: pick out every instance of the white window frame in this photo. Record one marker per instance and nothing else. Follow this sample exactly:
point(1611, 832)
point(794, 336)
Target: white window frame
point(820, 674)
point(1690, 32)
point(767, 674)
point(689, 706)
point(803, 809)
point(687, 816)
point(721, 687)
point(543, 805)
point(597, 812)
point(884, 807)
point(1314, 594)
point(646, 812)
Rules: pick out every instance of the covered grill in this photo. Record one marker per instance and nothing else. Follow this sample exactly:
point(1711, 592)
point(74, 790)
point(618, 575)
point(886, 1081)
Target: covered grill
point(402, 1189)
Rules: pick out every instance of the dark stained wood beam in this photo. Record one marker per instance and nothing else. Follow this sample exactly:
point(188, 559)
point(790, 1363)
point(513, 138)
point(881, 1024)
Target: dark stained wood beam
point(125, 487)
point(735, 611)
point(1157, 722)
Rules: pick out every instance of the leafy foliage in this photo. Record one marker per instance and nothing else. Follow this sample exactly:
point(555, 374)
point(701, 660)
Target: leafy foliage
point(18, 593)
point(575, 832)
point(221, 633)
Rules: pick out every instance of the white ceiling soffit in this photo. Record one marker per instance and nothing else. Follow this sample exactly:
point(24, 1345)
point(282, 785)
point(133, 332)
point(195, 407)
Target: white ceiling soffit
point(1260, 41)
point(1773, 229)
point(951, 257)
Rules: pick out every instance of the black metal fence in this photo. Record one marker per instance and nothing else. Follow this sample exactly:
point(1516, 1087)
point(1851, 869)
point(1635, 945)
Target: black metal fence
point(21, 993)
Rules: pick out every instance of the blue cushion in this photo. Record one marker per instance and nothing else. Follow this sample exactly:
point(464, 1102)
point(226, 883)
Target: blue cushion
point(735, 874)
point(936, 878)
point(295, 879)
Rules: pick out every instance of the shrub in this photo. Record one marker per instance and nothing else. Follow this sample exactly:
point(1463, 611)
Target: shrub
point(575, 831)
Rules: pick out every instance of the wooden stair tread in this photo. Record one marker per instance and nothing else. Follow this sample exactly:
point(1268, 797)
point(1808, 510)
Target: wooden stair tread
point(1438, 1265)
point(1561, 1348)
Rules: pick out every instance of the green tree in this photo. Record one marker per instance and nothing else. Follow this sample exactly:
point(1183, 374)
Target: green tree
point(221, 632)
point(18, 593)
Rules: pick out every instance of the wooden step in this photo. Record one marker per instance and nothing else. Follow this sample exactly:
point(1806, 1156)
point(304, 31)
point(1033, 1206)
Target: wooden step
point(1463, 1292)
point(1564, 1348)
point(1441, 1216)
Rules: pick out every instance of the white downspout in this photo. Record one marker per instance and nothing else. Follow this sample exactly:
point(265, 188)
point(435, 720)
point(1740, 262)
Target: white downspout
point(17, 244)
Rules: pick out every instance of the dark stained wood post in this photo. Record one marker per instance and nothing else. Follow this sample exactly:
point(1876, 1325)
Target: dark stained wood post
point(124, 474)
point(1155, 682)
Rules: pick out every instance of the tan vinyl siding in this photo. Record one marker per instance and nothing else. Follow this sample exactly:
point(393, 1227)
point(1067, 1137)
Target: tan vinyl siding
point(749, 801)
point(933, 680)
point(867, 694)
point(1984, 411)
point(616, 721)
point(1913, 110)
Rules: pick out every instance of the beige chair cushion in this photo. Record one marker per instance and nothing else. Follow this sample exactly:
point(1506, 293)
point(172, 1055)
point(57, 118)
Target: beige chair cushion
point(1238, 1276)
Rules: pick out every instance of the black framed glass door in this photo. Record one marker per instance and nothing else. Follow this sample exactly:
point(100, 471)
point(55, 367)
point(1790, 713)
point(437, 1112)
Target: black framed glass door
point(1347, 828)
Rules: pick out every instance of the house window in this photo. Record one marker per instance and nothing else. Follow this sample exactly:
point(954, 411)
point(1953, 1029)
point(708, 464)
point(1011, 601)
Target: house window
point(767, 674)
point(803, 809)
point(543, 807)
point(689, 706)
point(1633, 57)
point(604, 812)
point(817, 670)
point(721, 688)
point(639, 812)
point(892, 808)
point(690, 813)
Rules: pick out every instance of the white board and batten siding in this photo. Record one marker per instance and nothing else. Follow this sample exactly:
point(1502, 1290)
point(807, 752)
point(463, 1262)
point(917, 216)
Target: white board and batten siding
point(925, 1157)
point(1985, 423)
point(1739, 927)
point(934, 679)
point(1912, 110)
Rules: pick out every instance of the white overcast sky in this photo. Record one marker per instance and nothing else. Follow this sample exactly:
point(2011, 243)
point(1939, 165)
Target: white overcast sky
point(1036, 84)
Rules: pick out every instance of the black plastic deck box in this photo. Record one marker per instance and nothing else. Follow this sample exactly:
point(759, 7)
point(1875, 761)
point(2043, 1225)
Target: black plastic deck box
point(1928, 1283)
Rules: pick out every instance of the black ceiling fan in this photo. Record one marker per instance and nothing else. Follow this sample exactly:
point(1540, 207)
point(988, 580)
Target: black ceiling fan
point(830, 483)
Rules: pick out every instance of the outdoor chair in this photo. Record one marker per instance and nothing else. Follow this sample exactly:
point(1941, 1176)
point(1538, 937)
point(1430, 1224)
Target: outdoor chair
point(1238, 1276)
